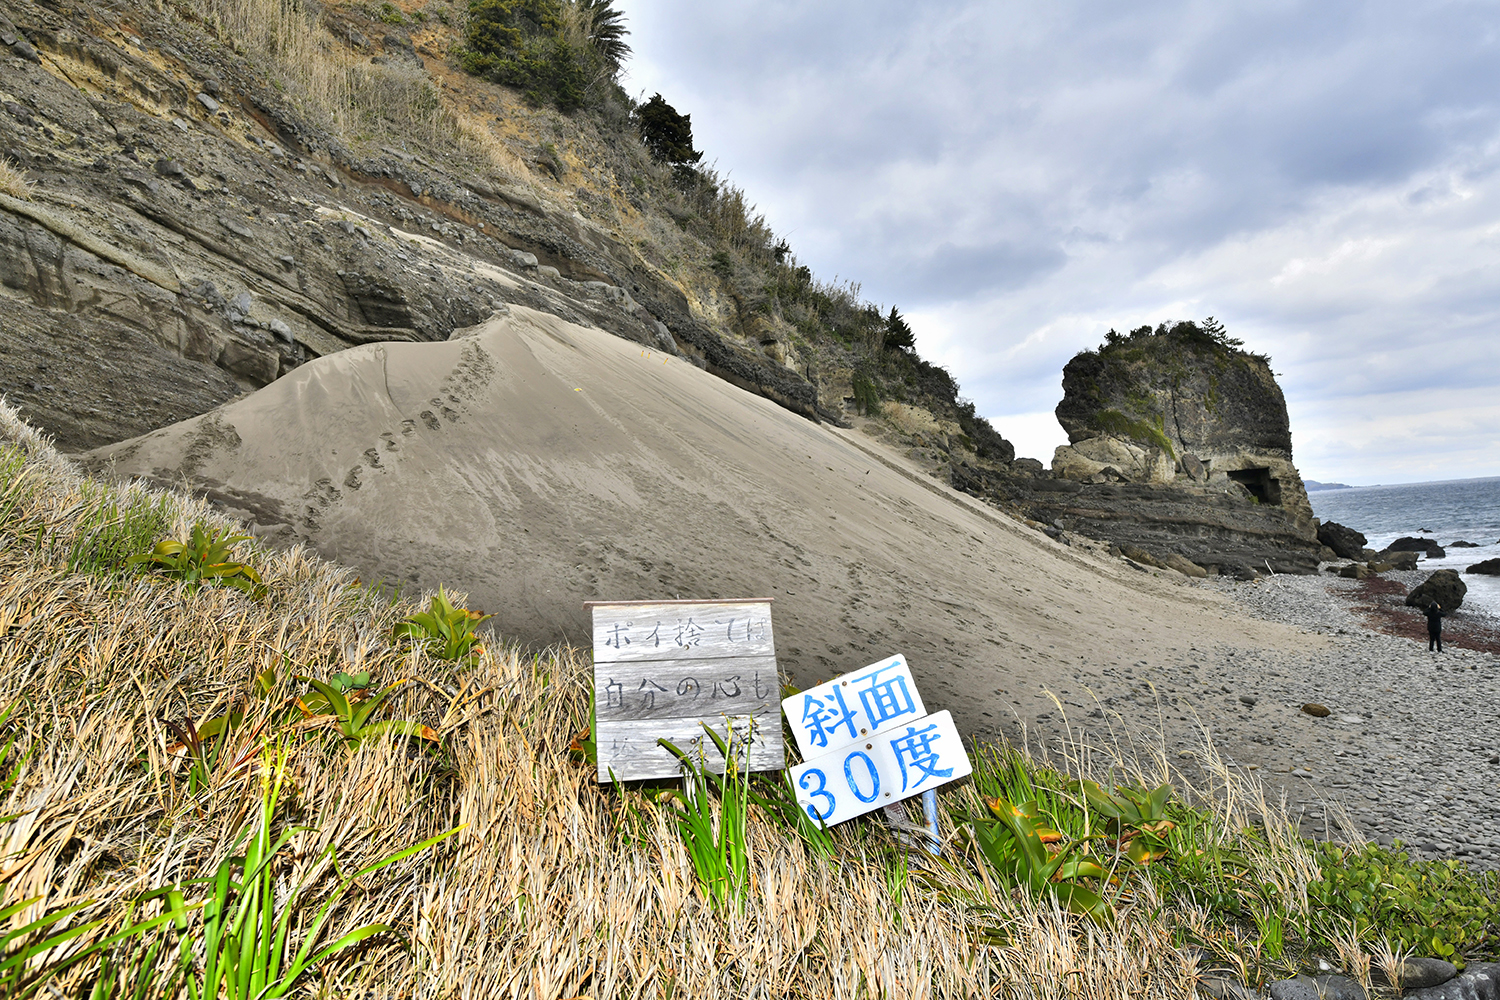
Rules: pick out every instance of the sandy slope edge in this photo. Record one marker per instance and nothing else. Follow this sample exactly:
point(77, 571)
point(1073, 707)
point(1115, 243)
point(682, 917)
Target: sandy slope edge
point(538, 464)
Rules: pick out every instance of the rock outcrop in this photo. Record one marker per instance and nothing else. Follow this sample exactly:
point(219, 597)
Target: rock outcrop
point(1428, 546)
point(1490, 567)
point(1180, 444)
point(1445, 586)
point(1345, 542)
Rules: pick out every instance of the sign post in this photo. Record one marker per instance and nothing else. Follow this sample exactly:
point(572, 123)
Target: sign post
point(867, 742)
point(664, 668)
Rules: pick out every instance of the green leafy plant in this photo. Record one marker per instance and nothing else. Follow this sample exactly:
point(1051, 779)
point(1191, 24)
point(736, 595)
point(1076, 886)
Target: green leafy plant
point(246, 923)
point(352, 711)
point(1436, 908)
point(1135, 817)
point(1014, 843)
point(446, 631)
point(716, 837)
point(203, 559)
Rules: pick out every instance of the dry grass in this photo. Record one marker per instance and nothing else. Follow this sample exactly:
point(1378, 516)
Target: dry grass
point(554, 887)
point(13, 181)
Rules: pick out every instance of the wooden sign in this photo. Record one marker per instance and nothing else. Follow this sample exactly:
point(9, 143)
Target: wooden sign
point(663, 668)
point(868, 742)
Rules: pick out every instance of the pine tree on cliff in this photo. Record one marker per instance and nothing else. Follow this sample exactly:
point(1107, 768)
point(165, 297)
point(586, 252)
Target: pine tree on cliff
point(667, 134)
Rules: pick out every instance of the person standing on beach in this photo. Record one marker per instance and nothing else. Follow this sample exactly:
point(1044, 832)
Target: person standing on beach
point(1434, 615)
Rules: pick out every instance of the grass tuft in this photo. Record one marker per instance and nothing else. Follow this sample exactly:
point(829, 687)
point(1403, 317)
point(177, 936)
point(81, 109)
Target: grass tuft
point(552, 886)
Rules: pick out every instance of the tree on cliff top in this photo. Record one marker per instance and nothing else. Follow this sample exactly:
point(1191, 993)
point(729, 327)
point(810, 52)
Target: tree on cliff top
point(667, 134)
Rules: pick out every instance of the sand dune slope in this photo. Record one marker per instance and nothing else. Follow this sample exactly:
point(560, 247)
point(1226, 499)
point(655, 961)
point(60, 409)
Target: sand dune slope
point(537, 465)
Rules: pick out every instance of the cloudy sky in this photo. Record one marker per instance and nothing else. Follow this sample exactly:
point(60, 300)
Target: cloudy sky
point(1322, 176)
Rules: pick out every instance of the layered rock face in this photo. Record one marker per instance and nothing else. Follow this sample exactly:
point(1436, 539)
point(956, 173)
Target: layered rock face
point(1180, 443)
point(190, 234)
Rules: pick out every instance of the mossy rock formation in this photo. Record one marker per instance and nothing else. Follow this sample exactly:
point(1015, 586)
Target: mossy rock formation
point(1179, 444)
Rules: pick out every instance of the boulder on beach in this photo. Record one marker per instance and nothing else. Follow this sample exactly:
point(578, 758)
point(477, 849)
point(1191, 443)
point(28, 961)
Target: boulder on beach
point(1394, 560)
point(1461, 544)
point(1444, 586)
point(1409, 544)
point(1490, 567)
point(1346, 542)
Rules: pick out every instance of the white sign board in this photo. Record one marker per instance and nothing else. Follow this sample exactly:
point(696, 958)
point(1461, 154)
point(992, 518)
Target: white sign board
point(882, 770)
point(663, 668)
point(853, 706)
point(867, 742)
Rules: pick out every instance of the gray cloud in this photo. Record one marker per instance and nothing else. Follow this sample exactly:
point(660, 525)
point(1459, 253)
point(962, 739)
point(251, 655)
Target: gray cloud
point(1322, 176)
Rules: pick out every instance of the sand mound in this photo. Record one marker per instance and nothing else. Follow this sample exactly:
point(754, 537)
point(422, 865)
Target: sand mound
point(537, 464)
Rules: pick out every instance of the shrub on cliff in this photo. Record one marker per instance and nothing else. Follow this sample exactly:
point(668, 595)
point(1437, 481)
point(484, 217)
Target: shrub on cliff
point(554, 50)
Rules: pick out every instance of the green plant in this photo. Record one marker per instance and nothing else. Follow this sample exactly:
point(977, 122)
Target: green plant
point(446, 631)
point(1432, 907)
point(203, 559)
point(352, 712)
point(866, 394)
point(779, 798)
point(248, 916)
point(1135, 817)
point(1013, 845)
point(522, 43)
point(391, 14)
point(716, 838)
point(667, 135)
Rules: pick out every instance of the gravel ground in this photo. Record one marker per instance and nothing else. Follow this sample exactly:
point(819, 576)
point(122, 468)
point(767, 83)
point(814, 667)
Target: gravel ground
point(1411, 747)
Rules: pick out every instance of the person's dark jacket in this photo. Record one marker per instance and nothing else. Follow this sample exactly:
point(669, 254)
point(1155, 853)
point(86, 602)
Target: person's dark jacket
point(1435, 617)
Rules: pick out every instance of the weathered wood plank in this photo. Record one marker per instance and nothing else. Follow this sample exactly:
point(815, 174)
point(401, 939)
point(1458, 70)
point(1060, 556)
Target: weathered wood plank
point(629, 751)
point(672, 689)
point(682, 631)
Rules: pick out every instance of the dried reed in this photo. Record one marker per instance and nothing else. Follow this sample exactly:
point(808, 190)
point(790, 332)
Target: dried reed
point(553, 888)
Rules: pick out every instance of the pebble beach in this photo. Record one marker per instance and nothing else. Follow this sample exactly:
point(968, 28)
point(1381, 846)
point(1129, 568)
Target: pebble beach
point(1409, 750)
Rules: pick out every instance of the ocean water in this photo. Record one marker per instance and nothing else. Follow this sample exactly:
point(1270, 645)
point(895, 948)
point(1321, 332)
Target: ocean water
point(1458, 510)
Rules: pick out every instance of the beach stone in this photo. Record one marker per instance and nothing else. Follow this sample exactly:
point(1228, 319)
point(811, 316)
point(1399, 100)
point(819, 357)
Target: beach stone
point(1480, 981)
point(1424, 973)
point(1396, 560)
point(1316, 711)
point(1461, 544)
point(1227, 989)
point(1356, 571)
point(1445, 586)
point(1348, 543)
point(1247, 701)
point(1490, 567)
point(1317, 988)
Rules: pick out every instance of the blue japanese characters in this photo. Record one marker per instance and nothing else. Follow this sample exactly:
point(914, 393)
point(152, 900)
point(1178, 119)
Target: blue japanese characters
point(868, 742)
point(854, 705)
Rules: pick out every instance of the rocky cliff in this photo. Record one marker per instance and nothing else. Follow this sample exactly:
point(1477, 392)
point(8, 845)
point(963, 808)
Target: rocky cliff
point(196, 200)
point(1179, 446)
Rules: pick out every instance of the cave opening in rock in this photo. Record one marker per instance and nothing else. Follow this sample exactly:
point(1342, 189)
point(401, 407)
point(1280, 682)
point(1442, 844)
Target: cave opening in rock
point(1260, 484)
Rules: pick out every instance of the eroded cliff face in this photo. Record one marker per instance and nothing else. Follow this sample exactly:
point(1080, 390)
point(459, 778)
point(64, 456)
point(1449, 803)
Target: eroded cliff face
point(181, 222)
point(1203, 427)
